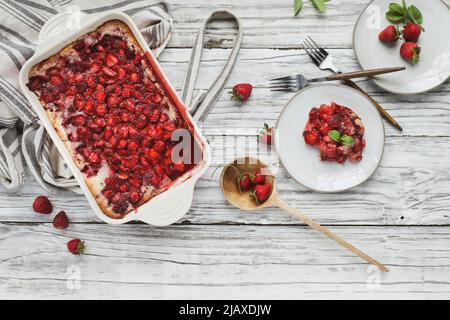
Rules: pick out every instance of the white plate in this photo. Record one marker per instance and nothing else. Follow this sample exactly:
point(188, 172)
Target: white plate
point(303, 162)
point(434, 65)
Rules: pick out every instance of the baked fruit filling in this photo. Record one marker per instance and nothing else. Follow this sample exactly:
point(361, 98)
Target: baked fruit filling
point(103, 98)
point(336, 131)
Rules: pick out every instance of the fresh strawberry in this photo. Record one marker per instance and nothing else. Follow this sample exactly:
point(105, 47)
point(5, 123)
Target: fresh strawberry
point(61, 221)
point(241, 92)
point(42, 205)
point(261, 192)
point(265, 135)
point(411, 31)
point(76, 246)
point(245, 182)
point(390, 34)
point(410, 52)
point(259, 178)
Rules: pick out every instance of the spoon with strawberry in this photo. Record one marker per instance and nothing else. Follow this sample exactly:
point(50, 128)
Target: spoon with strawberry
point(266, 195)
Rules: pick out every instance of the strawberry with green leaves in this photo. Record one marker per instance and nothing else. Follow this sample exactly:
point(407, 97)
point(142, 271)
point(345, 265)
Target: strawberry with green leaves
point(410, 51)
point(244, 182)
point(241, 92)
point(259, 178)
point(390, 34)
point(76, 246)
point(412, 31)
point(266, 134)
point(261, 192)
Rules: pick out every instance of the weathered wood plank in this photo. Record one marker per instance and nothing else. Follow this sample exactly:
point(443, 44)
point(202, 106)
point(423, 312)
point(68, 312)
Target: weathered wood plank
point(425, 114)
point(409, 188)
point(267, 24)
point(137, 261)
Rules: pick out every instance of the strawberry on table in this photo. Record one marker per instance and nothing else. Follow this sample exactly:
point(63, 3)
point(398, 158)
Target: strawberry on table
point(390, 34)
point(42, 205)
point(61, 221)
point(241, 92)
point(76, 246)
point(410, 51)
point(265, 135)
point(411, 31)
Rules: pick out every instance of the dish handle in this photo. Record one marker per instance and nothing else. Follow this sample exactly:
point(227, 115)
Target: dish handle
point(171, 208)
point(64, 21)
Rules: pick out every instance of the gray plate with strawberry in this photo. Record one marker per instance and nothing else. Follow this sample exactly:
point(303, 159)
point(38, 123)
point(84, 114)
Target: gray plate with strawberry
point(426, 53)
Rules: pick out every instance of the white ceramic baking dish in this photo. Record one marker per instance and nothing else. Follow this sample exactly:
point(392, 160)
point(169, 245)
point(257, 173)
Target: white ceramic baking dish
point(165, 208)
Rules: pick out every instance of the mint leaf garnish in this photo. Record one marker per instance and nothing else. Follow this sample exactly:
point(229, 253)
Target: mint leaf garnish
point(414, 14)
point(335, 135)
point(404, 6)
point(396, 8)
point(399, 13)
point(320, 5)
point(347, 141)
point(297, 7)
point(394, 17)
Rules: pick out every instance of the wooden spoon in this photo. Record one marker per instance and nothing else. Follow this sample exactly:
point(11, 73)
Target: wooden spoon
point(242, 200)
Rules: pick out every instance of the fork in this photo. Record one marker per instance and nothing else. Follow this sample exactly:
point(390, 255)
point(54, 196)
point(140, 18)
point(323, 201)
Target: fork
point(324, 61)
point(298, 81)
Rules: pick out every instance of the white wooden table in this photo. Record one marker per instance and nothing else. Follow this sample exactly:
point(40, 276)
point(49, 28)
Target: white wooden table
point(400, 215)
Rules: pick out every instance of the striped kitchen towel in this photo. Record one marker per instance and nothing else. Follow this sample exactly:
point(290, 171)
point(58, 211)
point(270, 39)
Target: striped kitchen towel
point(21, 21)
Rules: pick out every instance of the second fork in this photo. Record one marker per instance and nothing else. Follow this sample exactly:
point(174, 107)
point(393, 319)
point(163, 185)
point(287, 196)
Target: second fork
point(298, 81)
